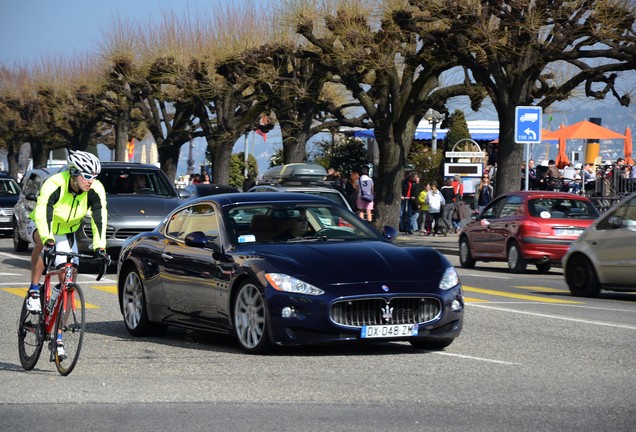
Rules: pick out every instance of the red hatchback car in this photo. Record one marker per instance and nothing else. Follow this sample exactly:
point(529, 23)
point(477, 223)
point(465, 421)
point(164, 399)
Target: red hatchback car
point(525, 227)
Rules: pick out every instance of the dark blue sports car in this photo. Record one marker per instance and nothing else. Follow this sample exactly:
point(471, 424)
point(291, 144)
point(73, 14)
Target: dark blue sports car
point(286, 269)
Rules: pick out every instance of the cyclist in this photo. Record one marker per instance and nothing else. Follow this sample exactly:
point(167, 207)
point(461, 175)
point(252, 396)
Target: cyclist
point(65, 198)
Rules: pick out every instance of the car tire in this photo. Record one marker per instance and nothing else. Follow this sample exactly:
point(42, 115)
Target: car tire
point(134, 307)
point(19, 245)
point(516, 264)
point(431, 344)
point(581, 277)
point(544, 267)
point(251, 324)
point(465, 257)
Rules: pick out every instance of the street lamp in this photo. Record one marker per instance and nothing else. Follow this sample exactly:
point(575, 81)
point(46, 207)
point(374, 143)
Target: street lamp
point(433, 117)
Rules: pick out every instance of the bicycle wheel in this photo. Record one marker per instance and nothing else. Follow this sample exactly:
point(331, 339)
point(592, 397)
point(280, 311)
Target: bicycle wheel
point(30, 337)
point(70, 322)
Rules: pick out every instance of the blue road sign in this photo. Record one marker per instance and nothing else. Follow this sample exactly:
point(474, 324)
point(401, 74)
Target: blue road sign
point(528, 124)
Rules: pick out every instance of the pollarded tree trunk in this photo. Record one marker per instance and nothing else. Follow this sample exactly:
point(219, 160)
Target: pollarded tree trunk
point(38, 153)
point(168, 158)
point(393, 147)
point(122, 127)
point(509, 156)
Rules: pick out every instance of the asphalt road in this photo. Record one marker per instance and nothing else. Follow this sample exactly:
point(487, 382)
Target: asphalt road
point(531, 357)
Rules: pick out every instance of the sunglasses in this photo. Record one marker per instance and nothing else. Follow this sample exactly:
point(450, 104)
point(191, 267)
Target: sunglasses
point(485, 177)
point(86, 176)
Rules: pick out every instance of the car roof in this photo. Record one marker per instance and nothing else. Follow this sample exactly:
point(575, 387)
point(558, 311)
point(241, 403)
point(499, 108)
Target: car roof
point(258, 198)
point(5, 174)
point(291, 188)
point(214, 186)
point(546, 194)
point(129, 165)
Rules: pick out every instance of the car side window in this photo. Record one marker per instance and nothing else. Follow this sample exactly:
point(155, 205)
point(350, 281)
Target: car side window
point(493, 210)
point(202, 218)
point(31, 185)
point(173, 227)
point(511, 206)
point(623, 216)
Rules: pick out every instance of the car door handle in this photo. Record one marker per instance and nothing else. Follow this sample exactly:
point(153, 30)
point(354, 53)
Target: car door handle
point(166, 256)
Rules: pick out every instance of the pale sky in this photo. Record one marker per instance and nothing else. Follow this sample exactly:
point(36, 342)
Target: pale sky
point(30, 29)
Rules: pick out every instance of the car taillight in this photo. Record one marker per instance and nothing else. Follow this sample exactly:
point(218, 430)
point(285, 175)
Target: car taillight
point(529, 227)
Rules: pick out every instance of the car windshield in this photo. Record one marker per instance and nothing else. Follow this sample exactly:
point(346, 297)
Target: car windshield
point(562, 208)
point(284, 222)
point(9, 187)
point(125, 181)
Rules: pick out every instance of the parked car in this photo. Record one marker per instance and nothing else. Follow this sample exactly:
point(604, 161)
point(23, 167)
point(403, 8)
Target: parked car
point(30, 186)
point(286, 269)
point(299, 178)
point(604, 256)
point(525, 227)
point(9, 194)
point(199, 190)
point(131, 208)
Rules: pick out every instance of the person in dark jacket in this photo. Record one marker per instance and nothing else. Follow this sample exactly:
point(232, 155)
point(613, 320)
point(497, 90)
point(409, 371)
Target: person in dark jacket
point(447, 210)
point(409, 207)
point(484, 193)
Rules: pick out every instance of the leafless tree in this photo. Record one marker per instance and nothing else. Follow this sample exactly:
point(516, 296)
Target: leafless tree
point(392, 74)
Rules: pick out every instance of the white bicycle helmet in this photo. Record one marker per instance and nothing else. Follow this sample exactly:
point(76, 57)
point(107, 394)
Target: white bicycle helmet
point(84, 162)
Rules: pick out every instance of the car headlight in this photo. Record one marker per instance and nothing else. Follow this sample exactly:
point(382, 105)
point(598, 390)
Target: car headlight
point(283, 282)
point(450, 279)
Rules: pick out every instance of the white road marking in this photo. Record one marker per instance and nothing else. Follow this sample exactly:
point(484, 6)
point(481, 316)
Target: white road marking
point(476, 358)
point(16, 256)
point(600, 323)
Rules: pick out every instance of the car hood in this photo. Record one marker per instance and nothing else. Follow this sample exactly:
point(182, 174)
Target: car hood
point(145, 206)
point(8, 200)
point(352, 262)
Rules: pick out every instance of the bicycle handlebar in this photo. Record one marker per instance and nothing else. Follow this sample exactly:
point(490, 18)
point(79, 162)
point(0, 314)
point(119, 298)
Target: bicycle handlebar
point(69, 255)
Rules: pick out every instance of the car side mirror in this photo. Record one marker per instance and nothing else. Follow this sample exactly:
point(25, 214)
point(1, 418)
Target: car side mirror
point(31, 197)
point(617, 222)
point(196, 239)
point(183, 194)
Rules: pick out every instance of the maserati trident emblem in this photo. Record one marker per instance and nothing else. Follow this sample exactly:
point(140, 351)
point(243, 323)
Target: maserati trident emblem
point(142, 211)
point(387, 313)
point(385, 288)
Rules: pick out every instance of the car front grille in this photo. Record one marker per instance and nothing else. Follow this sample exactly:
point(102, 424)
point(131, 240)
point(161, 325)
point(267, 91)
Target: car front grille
point(121, 234)
point(6, 211)
point(402, 310)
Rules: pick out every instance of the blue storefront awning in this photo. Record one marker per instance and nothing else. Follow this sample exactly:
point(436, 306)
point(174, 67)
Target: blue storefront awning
point(480, 130)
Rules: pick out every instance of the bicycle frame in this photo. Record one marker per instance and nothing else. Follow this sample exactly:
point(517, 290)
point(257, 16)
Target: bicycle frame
point(70, 273)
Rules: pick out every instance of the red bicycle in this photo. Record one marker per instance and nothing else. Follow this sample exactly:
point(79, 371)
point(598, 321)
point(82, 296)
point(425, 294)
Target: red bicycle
point(60, 319)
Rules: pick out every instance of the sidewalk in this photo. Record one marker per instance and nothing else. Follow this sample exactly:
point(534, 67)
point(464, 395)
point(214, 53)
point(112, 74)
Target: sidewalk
point(446, 245)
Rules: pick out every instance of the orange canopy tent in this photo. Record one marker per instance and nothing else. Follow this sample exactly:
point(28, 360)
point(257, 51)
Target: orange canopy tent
point(562, 159)
point(583, 130)
point(627, 146)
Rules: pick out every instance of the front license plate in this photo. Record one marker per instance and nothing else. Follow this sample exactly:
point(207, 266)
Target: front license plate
point(4, 219)
point(388, 331)
point(568, 231)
